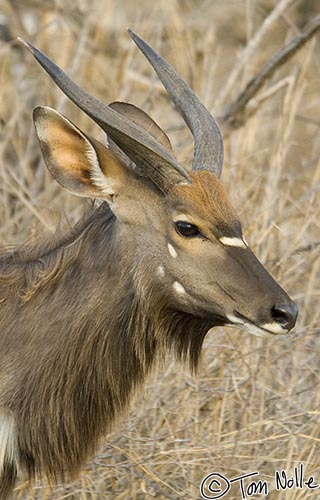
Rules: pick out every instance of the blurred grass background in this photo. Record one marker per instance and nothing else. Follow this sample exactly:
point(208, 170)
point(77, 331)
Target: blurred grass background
point(255, 403)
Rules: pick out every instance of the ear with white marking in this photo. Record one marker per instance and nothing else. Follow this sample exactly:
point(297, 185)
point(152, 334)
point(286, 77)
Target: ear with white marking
point(78, 163)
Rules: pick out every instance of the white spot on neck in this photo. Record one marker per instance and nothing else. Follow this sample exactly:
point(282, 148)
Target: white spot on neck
point(172, 251)
point(232, 242)
point(178, 288)
point(161, 271)
point(7, 440)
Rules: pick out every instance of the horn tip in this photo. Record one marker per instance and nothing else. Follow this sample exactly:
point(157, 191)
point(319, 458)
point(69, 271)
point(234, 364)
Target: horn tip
point(140, 43)
point(132, 34)
point(28, 45)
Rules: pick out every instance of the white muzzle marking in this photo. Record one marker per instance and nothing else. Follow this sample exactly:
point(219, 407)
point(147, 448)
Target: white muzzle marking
point(259, 330)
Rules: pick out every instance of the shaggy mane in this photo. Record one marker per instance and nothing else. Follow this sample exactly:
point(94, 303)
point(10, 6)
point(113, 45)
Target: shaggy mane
point(31, 265)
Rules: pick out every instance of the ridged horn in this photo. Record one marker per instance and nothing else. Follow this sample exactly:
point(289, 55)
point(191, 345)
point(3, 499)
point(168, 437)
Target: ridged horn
point(153, 159)
point(208, 142)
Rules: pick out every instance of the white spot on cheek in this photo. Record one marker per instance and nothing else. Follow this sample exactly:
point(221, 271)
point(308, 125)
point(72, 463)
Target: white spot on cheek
point(178, 288)
point(172, 251)
point(161, 271)
point(232, 242)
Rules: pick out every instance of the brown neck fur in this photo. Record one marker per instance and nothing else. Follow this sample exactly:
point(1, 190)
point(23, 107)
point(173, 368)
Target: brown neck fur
point(100, 334)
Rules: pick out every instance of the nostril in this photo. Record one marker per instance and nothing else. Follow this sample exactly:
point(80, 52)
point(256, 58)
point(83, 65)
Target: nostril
point(285, 315)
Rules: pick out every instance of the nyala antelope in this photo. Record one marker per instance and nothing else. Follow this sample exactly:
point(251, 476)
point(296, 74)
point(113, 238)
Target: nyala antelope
point(159, 263)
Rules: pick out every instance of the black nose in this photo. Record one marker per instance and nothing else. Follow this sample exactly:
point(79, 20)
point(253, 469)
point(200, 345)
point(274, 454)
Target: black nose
point(285, 315)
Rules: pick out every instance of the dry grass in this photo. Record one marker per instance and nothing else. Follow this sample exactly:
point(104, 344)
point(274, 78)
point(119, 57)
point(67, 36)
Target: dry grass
point(254, 404)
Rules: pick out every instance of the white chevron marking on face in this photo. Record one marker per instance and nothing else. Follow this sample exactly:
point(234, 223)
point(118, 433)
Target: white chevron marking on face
point(232, 242)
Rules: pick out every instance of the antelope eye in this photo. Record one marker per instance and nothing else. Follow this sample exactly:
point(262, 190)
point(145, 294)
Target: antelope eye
point(186, 229)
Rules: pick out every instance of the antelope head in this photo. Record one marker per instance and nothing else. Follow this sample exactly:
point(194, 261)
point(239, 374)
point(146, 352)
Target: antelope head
point(185, 237)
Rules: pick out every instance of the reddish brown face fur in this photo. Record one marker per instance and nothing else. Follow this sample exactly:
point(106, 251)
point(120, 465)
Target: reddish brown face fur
point(213, 274)
point(206, 200)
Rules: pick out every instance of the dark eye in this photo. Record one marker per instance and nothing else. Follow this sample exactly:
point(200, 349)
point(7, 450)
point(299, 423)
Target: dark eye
point(186, 229)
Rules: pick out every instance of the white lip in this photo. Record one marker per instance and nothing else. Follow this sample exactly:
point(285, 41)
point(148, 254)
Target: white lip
point(261, 330)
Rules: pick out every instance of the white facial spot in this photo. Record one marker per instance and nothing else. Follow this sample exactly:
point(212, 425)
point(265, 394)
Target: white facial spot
point(172, 251)
point(161, 271)
point(7, 440)
point(232, 242)
point(178, 288)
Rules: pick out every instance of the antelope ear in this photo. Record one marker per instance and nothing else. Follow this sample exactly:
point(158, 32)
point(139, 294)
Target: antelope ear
point(143, 120)
point(78, 163)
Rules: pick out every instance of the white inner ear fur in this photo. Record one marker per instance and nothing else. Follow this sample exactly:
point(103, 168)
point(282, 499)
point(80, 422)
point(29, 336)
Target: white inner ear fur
point(232, 242)
point(103, 183)
point(97, 176)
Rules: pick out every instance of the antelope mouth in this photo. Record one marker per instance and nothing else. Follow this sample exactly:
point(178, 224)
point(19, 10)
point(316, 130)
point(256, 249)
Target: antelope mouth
point(262, 330)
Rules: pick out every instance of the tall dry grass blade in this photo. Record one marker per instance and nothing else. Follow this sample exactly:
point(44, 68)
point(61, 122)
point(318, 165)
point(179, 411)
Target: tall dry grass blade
point(248, 52)
point(233, 115)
